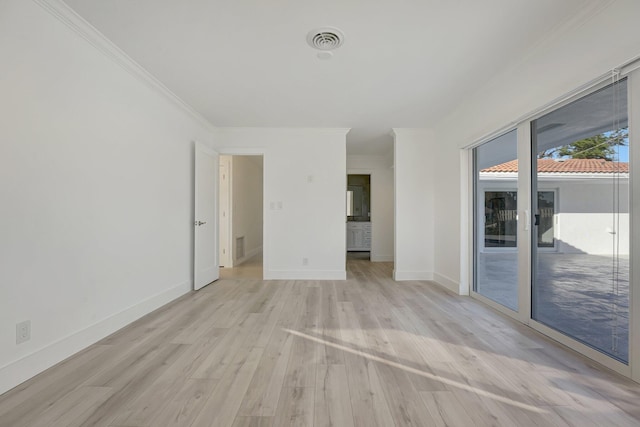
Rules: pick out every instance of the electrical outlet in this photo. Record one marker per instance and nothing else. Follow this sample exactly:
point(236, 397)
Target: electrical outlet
point(23, 331)
point(305, 261)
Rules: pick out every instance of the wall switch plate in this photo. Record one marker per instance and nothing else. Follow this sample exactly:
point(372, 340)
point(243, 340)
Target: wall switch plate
point(305, 261)
point(23, 331)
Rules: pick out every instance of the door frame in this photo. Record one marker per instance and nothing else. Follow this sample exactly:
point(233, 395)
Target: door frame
point(226, 258)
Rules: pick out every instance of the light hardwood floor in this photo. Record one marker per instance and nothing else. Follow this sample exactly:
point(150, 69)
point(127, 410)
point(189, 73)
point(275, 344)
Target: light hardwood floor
point(362, 352)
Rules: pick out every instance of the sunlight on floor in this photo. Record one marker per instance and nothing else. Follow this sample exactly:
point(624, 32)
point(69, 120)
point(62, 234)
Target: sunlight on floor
point(414, 371)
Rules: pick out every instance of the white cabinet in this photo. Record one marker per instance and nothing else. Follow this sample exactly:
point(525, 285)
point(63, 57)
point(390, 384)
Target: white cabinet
point(358, 236)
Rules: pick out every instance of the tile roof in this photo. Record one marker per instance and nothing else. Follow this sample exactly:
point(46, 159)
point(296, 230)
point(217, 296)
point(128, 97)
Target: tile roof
point(566, 166)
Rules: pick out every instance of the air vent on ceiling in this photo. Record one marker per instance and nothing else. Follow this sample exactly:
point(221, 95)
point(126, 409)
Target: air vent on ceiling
point(325, 38)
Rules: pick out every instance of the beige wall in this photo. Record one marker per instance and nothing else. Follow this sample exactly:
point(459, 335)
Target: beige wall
point(247, 204)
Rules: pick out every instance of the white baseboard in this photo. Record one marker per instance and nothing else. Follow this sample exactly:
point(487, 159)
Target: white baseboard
point(305, 275)
point(447, 283)
point(247, 256)
point(27, 367)
point(381, 258)
point(400, 276)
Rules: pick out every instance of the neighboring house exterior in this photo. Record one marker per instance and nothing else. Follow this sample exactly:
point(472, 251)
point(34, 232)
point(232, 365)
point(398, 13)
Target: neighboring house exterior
point(574, 195)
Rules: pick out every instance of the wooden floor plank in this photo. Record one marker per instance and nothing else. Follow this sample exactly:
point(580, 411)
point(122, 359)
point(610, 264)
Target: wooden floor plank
point(296, 407)
point(69, 410)
point(221, 408)
point(329, 325)
point(264, 391)
point(301, 370)
point(369, 405)
point(253, 422)
point(446, 409)
point(185, 405)
point(333, 401)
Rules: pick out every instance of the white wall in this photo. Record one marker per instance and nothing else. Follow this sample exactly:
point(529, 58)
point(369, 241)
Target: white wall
point(96, 189)
point(414, 204)
point(585, 218)
point(246, 196)
point(304, 201)
point(563, 62)
point(381, 170)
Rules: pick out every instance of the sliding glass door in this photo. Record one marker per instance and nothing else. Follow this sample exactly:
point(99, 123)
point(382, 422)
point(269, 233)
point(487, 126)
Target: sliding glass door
point(555, 250)
point(580, 235)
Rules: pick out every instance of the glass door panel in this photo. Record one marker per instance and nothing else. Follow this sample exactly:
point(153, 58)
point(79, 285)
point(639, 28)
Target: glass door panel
point(495, 220)
point(582, 288)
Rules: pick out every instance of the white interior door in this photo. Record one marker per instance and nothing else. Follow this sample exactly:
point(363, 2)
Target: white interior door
point(206, 266)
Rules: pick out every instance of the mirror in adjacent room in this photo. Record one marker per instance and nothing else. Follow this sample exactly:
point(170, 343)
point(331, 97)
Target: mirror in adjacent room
point(358, 197)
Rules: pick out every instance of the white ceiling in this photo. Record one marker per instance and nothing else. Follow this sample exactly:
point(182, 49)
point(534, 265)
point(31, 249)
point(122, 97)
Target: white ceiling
point(404, 63)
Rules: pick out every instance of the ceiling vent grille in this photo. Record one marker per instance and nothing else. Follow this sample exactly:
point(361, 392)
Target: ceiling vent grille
point(325, 38)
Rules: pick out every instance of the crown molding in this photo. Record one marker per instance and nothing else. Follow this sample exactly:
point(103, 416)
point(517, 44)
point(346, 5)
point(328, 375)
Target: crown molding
point(69, 17)
point(280, 130)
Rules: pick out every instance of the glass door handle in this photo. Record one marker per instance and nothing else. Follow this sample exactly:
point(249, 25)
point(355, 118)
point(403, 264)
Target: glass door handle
point(537, 221)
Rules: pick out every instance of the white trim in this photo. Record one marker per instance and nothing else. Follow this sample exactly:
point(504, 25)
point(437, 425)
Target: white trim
point(305, 275)
point(583, 349)
point(525, 227)
point(225, 195)
point(633, 88)
point(496, 306)
point(21, 370)
point(448, 283)
point(467, 217)
point(241, 151)
point(270, 131)
point(65, 14)
point(400, 276)
point(630, 66)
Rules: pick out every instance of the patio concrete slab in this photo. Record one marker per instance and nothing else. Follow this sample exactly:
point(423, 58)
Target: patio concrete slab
point(583, 296)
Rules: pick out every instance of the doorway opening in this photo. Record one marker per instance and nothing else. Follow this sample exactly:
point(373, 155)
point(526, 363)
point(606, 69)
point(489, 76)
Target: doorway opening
point(359, 217)
point(241, 216)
